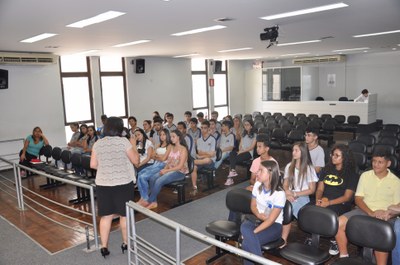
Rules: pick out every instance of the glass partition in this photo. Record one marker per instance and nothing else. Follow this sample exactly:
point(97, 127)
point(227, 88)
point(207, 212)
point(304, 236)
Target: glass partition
point(281, 84)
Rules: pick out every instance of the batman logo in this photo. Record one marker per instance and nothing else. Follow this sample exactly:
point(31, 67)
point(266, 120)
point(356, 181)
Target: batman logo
point(333, 180)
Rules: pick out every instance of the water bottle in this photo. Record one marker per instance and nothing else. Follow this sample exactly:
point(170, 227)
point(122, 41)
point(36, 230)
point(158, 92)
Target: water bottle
point(268, 209)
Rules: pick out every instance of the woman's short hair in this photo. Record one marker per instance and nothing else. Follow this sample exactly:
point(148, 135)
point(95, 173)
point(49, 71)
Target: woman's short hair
point(113, 127)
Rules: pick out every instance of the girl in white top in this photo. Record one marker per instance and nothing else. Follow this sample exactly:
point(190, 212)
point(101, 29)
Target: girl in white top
point(267, 204)
point(299, 181)
point(145, 149)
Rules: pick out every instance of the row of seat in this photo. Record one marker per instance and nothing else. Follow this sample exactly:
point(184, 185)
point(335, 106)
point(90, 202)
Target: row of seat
point(363, 231)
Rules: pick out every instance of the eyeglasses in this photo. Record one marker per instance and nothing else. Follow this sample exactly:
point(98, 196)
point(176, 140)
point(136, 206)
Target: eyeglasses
point(336, 155)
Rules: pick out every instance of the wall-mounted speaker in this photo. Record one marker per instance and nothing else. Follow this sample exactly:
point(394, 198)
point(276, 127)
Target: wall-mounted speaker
point(217, 67)
point(3, 79)
point(139, 66)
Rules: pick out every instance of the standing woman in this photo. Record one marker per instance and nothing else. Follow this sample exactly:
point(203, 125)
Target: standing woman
point(113, 157)
point(175, 168)
point(299, 181)
point(32, 145)
point(246, 148)
point(267, 204)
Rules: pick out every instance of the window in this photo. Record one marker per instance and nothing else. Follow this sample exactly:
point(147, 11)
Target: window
point(113, 88)
point(281, 84)
point(200, 89)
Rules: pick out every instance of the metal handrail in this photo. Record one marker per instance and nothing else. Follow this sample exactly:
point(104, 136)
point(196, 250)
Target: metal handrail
point(131, 207)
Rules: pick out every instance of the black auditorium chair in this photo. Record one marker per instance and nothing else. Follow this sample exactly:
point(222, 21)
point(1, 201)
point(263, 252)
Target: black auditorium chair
point(266, 114)
point(287, 219)
point(247, 117)
point(319, 98)
point(292, 137)
point(371, 234)
point(351, 125)
point(237, 201)
point(386, 133)
point(88, 178)
point(278, 137)
point(317, 221)
point(361, 161)
point(76, 161)
point(54, 170)
point(385, 148)
point(180, 185)
point(299, 115)
point(358, 147)
point(394, 165)
point(209, 172)
point(390, 140)
point(46, 152)
point(65, 159)
point(368, 139)
point(326, 116)
point(340, 119)
point(327, 130)
point(312, 116)
point(343, 99)
point(392, 127)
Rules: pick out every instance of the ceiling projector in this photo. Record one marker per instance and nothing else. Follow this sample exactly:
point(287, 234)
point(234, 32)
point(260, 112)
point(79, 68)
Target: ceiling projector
point(270, 34)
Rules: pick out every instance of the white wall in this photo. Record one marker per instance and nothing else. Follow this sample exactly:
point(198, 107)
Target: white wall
point(32, 99)
point(237, 86)
point(377, 72)
point(165, 86)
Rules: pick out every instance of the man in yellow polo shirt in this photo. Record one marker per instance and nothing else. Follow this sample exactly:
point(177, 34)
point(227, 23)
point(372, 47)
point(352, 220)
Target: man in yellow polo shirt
point(377, 189)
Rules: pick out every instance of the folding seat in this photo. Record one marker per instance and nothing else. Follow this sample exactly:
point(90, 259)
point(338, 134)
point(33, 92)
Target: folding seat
point(324, 117)
point(358, 147)
point(340, 119)
point(327, 131)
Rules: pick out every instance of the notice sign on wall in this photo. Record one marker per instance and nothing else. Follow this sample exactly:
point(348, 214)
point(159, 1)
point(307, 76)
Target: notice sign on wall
point(331, 80)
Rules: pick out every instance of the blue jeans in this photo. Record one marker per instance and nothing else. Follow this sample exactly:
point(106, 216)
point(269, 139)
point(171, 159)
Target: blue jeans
point(252, 242)
point(144, 177)
point(298, 203)
point(159, 181)
point(224, 156)
point(396, 250)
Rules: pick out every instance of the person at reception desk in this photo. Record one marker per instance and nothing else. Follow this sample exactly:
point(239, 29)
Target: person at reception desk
point(363, 97)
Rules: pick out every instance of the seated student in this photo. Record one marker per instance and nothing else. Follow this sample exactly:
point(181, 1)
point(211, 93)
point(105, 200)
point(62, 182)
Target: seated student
point(337, 183)
point(377, 190)
point(90, 140)
point(188, 116)
point(101, 128)
point(316, 151)
point(246, 148)
point(214, 132)
point(132, 124)
point(32, 145)
point(170, 122)
point(159, 156)
point(267, 204)
point(214, 116)
point(75, 135)
point(237, 129)
point(206, 146)
point(147, 128)
point(145, 149)
point(156, 114)
point(155, 134)
point(299, 181)
point(263, 152)
point(188, 139)
point(226, 143)
point(200, 117)
point(175, 168)
point(193, 130)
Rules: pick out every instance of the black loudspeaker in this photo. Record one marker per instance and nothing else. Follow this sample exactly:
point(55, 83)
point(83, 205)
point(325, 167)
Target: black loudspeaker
point(3, 79)
point(139, 66)
point(217, 66)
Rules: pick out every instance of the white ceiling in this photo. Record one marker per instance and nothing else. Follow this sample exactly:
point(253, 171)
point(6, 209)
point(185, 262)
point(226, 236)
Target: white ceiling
point(157, 19)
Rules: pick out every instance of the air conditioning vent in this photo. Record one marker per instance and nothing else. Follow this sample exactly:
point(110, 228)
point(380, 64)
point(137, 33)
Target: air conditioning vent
point(28, 58)
point(321, 59)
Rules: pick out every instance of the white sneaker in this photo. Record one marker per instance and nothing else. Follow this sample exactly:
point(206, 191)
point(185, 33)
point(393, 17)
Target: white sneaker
point(333, 250)
point(229, 182)
point(232, 173)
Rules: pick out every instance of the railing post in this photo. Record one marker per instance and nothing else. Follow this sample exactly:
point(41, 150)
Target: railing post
point(18, 188)
point(178, 245)
point(17, 184)
point(128, 231)
point(96, 238)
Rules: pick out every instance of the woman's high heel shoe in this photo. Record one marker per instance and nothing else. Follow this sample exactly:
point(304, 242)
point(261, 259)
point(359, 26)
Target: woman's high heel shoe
point(124, 247)
point(104, 252)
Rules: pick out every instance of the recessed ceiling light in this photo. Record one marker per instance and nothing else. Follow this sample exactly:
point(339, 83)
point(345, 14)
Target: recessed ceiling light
point(194, 31)
point(376, 34)
point(393, 49)
point(352, 49)
point(96, 19)
point(85, 52)
point(131, 43)
point(306, 11)
point(186, 55)
point(295, 54)
point(39, 37)
point(236, 50)
point(299, 42)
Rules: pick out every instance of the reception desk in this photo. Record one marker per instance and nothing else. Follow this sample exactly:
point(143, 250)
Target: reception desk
point(366, 111)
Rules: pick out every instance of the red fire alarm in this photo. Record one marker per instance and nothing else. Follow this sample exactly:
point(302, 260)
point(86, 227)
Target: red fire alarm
point(211, 82)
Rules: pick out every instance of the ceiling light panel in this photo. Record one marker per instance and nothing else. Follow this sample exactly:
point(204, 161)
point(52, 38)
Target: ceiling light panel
point(352, 49)
point(39, 37)
point(186, 55)
point(236, 50)
point(296, 43)
point(295, 54)
point(194, 31)
point(305, 11)
point(96, 19)
point(376, 34)
point(131, 43)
